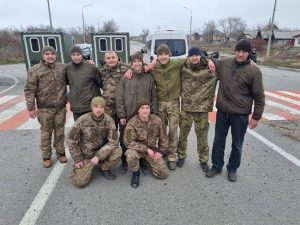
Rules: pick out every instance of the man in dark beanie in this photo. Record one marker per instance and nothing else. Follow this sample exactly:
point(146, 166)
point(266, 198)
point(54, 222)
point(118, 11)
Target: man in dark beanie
point(84, 81)
point(76, 49)
point(240, 87)
point(92, 141)
point(244, 45)
point(197, 91)
point(45, 94)
point(145, 138)
point(129, 92)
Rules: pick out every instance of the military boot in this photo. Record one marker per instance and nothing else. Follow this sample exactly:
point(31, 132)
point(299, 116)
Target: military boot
point(124, 166)
point(62, 157)
point(135, 179)
point(47, 163)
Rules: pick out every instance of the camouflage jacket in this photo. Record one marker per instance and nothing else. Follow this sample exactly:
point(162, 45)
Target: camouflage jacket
point(130, 91)
point(197, 87)
point(140, 135)
point(110, 79)
point(46, 84)
point(90, 136)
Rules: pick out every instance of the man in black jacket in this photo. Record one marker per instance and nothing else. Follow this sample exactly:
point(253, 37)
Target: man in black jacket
point(84, 81)
point(240, 85)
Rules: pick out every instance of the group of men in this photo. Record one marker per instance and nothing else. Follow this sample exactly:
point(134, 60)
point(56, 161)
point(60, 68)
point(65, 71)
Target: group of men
point(145, 107)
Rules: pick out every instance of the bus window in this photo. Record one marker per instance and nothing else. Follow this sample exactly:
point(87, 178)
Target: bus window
point(118, 45)
point(103, 44)
point(52, 42)
point(35, 44)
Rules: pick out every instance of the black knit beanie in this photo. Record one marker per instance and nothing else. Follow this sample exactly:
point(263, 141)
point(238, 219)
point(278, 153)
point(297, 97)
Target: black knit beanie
point(76, 49)
point(244, 45)
point(194, 51)
point(163, 48)
point(136, 55)
point(48, 49)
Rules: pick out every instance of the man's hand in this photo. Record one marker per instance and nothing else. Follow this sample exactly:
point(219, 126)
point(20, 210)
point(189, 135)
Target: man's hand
point(95, 160)
point(128, 74)
point(157, 156)
point(150, 152)
point(123, 122)
point(211, 66)
point(32, 114)
point(252, 63)
point(90, 62)
point(79, 164)
point(150, 66)
point(253, 123)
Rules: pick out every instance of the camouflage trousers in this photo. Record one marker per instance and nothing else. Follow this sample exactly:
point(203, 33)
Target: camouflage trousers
point(200, 120)
point(52, 121)
point(158, 167)
point(169, 113)
point(81, 177)
point(111, 111)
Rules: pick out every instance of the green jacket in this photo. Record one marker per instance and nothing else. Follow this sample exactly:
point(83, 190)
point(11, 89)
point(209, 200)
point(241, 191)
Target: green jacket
point(167, 80)
point(240, 85)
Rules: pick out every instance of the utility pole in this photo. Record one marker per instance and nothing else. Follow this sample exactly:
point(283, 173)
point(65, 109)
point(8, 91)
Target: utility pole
point(191, 19)
point(271, 31)
point(83, 29)
point(51, 28)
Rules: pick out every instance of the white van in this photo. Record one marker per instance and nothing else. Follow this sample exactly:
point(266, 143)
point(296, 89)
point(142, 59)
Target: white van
point(175, 39)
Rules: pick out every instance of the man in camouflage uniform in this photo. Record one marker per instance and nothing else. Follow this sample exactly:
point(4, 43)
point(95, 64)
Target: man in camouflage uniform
point(112, 71)
point(93, 140)
point(130, 91)
point(145, 137)
point(45, 94)
point(198, 89)
point(166, 74)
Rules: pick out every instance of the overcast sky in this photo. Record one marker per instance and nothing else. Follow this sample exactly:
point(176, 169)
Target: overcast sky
point(134, 15)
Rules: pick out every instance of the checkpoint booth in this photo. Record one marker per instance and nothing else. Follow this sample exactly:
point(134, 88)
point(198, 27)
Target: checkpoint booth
point(33, 43)
point(103, 42)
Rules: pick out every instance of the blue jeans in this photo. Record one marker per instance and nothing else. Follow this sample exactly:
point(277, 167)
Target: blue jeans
point(239, 124)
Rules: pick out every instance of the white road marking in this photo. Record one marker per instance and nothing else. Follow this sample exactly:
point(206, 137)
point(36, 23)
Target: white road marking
point(281, 106)
point(271, 116)
point(290, 94)
point(295, 102)
point(7, 98)
point(44, 193)
point(12, 86)
point(277, 149)
point(6, 114)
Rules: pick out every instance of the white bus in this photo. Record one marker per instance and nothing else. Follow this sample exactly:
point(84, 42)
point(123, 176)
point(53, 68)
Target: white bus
point(175, 39)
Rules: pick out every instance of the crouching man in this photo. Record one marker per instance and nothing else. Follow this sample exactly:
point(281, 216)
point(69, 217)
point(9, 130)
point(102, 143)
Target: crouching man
point(145, 138)
point(93, 140)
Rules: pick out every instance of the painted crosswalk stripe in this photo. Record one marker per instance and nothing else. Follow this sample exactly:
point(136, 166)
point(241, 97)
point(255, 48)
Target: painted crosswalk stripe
point(7, 98)
point(12, 111)
point(290, 94)
point(295, 102)
point(271, 116)
point(281, 106)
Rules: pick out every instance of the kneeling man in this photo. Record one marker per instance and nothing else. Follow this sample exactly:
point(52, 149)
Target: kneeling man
point(93, 140)
point(145, 138)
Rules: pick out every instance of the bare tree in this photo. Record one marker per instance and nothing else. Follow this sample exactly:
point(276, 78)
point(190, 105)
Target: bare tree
point(230, 26)
point(209, 31)
point(110, 26)
point(144, 34)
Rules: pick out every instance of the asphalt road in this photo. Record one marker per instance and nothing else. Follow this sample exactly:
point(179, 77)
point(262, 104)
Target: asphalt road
point(267, 190)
